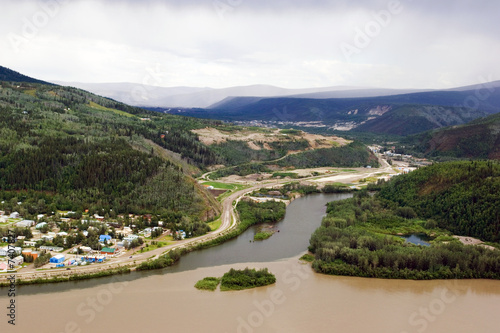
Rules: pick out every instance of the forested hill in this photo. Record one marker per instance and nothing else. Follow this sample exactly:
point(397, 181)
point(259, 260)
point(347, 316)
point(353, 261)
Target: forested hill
point(13, 76)
point(65, 149)
point(461, 196)
point(477, 139)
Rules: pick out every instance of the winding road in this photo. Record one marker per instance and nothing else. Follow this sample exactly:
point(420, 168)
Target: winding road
point(228, 217)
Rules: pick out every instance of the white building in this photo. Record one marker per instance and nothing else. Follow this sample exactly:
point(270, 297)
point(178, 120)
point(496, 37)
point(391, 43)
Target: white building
point(25, 224)
point(14, 215)
point(41, 225)
point(5, 251)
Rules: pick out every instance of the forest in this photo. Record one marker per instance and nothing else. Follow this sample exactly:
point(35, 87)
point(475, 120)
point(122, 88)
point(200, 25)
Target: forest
point(462, 197)
point(246, 278)
point(352, 155)
point(360, 236)
point(62, 148)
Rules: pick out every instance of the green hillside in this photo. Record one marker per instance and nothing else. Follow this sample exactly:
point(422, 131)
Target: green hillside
point(463, 197)
point(363, 236)
point(411, 119)
point(65, 149)
point(477, 139)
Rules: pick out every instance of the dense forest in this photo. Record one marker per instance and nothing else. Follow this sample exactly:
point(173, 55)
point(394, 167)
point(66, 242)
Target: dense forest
point(479, 139)
point(357, 238)
point(462, 197)
point(246, 278)
point(65, 149)
point(352, 155)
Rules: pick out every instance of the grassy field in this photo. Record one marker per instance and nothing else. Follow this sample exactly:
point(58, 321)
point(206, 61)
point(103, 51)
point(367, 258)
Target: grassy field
point(221, 186)
point(215, 224)
point(153, 247)
point(31, 92)
point(208, 283)
point(102, 108)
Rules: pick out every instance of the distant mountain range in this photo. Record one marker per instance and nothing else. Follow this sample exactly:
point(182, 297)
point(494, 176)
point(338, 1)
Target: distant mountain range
point(402, 114)
point(388, 111)
point(197, 97)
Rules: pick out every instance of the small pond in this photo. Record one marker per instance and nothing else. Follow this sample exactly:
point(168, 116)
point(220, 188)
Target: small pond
point(417, 239)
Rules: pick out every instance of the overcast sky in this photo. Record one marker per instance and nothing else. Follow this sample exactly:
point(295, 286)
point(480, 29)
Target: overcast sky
point(222, 43)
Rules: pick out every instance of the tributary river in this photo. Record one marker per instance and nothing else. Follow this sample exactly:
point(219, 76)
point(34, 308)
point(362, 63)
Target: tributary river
point(300, 301)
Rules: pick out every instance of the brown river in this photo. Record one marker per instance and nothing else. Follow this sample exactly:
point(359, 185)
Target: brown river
point(300, 301)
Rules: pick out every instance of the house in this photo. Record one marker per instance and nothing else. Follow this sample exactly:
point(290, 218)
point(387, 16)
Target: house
point(35, 254)
point(4, 219)
point(127, 231)
point(62, 234)
point(5, 251)
point(130, 238)
point(31, 243)
point(41, 225)
point(40, 216)
point(25, 224)
point(94, 258)
point(104, 238)
point(108, 251)
point(57, 259)
point(17, 261)
point(14, 215)
point(52, 248)
point(146, 232)
point(48, 238)
point(85, 248)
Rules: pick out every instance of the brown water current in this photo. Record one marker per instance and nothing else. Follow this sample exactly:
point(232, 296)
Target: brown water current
point(300, 301)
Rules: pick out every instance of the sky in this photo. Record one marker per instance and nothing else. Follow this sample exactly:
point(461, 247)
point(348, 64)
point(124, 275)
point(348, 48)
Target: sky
point(222, 43)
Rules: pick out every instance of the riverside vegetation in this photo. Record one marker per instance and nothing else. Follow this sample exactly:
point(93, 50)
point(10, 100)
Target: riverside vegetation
point(250, 213)
point(358, 235)
point(238, 280)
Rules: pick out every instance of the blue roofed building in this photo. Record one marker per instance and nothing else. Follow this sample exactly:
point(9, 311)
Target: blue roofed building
point(104, 238)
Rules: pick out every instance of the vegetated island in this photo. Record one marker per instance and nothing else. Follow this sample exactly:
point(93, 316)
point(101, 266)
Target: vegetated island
point(238, 280)
point(362, 236)
point(262, 235)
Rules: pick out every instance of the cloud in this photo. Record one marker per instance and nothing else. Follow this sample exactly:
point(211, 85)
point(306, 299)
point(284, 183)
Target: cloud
point(292, 43)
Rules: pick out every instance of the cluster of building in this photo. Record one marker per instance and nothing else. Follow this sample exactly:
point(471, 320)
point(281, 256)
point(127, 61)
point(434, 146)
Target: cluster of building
point(31, 246)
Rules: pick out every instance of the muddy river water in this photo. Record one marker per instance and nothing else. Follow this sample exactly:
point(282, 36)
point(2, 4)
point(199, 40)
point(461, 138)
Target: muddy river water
point(300, 301)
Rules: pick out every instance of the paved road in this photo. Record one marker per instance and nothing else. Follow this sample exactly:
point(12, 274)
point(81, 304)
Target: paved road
point(228, 222)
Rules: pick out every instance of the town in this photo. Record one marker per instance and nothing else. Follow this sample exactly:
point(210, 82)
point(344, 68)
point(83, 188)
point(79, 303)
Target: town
point(64, 241)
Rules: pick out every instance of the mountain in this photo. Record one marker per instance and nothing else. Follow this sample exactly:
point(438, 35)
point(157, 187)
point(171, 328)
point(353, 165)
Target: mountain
point(7, 74)
point(66, 149)
point(477, 139)
point(411, 119)
point(136, 94)
point(196, 97)
point(395, 114)
point(184, 97)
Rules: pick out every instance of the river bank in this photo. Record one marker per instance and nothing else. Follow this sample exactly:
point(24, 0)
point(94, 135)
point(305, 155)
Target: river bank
point(300, 301)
